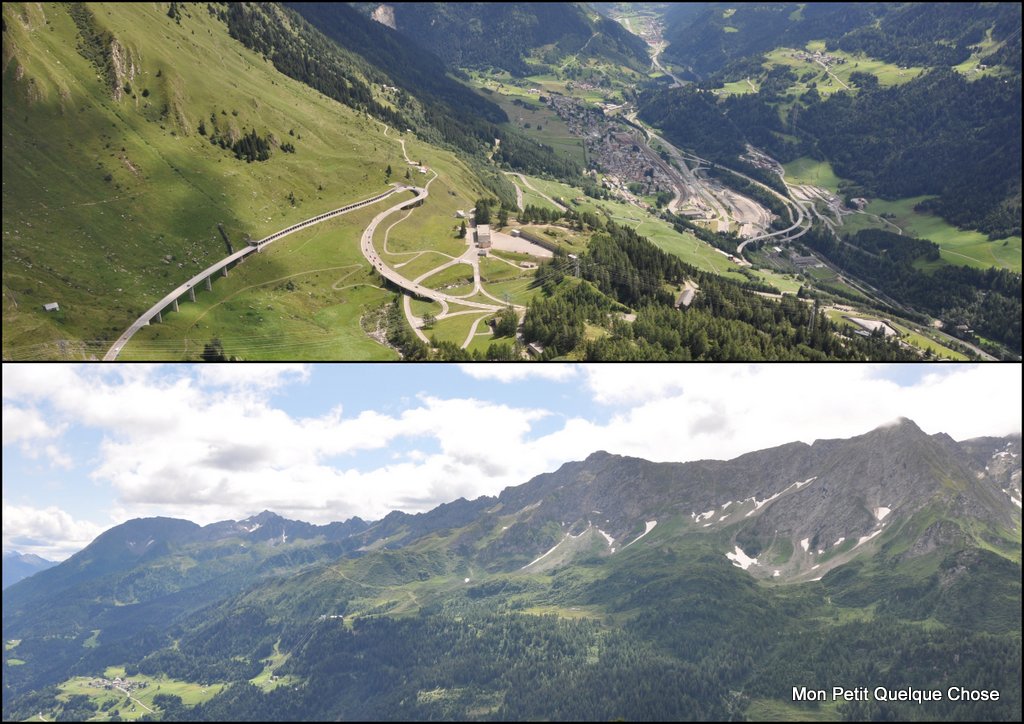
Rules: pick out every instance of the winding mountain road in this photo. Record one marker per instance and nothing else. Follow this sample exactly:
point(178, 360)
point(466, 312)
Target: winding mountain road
point(171, 299)
point(530, 186)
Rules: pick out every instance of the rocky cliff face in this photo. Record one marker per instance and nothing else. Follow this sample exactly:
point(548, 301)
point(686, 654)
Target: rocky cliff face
point(794, 511)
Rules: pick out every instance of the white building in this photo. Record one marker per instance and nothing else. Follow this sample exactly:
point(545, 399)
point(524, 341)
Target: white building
point(483, 236)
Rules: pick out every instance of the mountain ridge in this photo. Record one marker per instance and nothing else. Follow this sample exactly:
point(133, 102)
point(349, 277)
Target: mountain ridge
point(893, 527)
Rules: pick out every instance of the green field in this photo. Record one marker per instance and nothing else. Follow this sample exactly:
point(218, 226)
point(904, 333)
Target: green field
point(686, 246)
point(810, 72)
point(448, 279)
point(141, 698)
point(777, 710)
point(916, 339)
point(888, 74)
point(456, 329)
point(302, 297)
point(967, 248)
point(495, 270)
point(807, 171)
point(785, 283)
point(268, 680)
point(908, 334)
point(545, 125)
point(957, 246)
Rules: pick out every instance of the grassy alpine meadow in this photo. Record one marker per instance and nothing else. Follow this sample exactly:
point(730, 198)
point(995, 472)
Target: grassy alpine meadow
point(139, 702)
point(456, 328)
point(661, 233)
point(807, 171)
point(957, 246)
point(304, 296)
point(450, 277)
point(118, 201)
point(544, 124)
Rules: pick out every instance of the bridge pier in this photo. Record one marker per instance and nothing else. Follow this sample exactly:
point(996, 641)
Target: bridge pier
point(175, 305)
point(224, 270)
point(209, 285)
point(159, 317)
point(192, 293)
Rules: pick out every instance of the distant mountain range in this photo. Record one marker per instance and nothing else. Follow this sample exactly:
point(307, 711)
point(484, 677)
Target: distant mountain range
point(721, 575)
point(22, 565)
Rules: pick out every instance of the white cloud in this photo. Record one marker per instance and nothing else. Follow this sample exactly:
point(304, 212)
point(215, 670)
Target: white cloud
point(58, 458)
point(517, 371)
point(48, 532)
point(630, 384)
point(687, 412)
point(23, 424)
point(170, 447)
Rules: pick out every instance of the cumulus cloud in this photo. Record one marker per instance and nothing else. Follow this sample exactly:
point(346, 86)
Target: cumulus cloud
point(686, 412)
point(48, 532)
point(516, 372)
point(170, 447)
point(22, 424)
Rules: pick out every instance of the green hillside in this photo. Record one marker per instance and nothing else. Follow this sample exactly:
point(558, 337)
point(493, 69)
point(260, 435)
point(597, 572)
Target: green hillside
point(111, 199)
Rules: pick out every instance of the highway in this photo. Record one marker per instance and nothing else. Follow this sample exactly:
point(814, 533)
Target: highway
point(396, 278)
point(222, 266)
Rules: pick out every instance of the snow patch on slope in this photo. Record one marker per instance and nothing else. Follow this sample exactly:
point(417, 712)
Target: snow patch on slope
point(650, 526)
point(542, 557)
point(866, 538)
point(758, 504)
point(880, 512)
point(741, 559)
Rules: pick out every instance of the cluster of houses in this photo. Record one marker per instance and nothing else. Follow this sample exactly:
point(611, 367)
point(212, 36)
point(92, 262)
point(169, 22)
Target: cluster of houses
point(615, 151)
point(117, 682)
point(818, 57)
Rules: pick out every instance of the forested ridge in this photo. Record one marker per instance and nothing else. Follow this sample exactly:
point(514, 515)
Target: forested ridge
point(939, 134)
point(726, 321)
point(910, 34)
point(698, 640)
point(337, 51)
point(504, 35)
point(989, 301)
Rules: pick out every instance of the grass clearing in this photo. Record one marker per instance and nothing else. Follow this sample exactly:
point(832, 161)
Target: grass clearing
point(684, 245)
point(456, 329)
point(776, 710)
point(807, 171)
point(304, 296)
point(190, 693)
point(451, 278)
point(965, 248)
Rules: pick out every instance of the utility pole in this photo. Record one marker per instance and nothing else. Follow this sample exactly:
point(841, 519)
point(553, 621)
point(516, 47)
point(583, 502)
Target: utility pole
point(576, 262)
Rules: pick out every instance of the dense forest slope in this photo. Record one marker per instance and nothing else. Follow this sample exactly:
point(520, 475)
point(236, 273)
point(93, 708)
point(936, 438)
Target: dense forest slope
point(504, 35)
point(708, 37)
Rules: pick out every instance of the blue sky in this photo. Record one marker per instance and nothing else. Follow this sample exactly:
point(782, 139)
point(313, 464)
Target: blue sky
point(88, 447)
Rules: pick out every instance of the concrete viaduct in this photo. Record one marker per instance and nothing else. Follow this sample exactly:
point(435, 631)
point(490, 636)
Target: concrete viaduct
point(205, 277)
